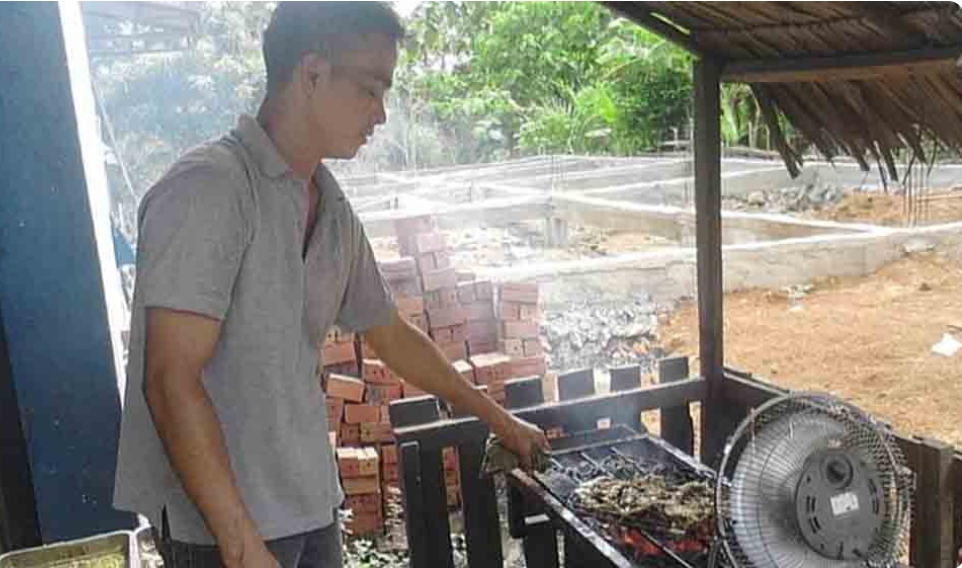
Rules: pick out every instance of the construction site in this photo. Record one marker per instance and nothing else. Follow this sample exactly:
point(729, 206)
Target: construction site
point(818, 269)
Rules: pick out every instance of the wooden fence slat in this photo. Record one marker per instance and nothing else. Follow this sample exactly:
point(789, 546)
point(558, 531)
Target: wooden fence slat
point(437, 524)
point(932, 537)
point(623, 379)
point(482, 526)
point(524, 392)
point(419, 549)
point(676, 424)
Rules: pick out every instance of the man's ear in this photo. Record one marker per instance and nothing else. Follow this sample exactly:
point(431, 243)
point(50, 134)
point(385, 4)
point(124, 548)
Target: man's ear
point(314, 71)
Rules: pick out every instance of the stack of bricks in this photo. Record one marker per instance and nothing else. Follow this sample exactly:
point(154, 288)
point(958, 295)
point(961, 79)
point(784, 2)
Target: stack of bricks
point(492, 370)
point(338, 353)
point(404, 280)
point(446, 317)
point(482, 328)
point(360, 479)
point(520, 329)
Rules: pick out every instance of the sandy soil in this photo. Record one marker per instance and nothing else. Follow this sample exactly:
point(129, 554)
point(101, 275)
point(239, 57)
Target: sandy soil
point(890, 210)
point(868, 340)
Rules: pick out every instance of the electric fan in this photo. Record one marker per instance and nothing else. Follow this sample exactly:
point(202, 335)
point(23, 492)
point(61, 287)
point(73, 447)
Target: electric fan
point(809, 481)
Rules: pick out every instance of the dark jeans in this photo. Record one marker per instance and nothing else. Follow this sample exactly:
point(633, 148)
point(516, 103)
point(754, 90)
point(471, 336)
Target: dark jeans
point(316, 549)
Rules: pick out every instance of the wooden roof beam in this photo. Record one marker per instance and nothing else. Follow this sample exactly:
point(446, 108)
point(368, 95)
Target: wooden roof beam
point(844, 68)
point(645, 18)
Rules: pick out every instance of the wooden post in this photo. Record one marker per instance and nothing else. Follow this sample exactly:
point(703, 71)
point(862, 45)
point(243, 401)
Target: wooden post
point(627, 378)
point(423, 471)
point(932, 538)
point(482, 527)
point(708, 235)
point(676, 424)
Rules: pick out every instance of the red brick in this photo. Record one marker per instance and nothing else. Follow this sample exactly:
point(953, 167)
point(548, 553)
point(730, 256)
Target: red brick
point(483, 290)
point(335, 353)
point(466, 292)
point(389, 453)
point(530, 312)
point(532, 347)
point(490, 367)
point(349, 462)
point(466, 276)
point(361, 413)
point(480, 311)
point(385, 417)
point(408, 287)
point(335, 410)
point(414, 225)
point(367, 352)
point(521, 292)
point(464, 369)
point(349, 435)
point(448, 297)
point(389, 472)
point(451, 478)
point(376, 372)
point(438, 279)
point(376, 432)
point(442, 259)
point(441, 335)
point(520, 329)
point(482, 328)
point(449, 457)
point(510, 311)
point(360, 485)
point(426, 262)
point(528, 366)
point(459, 333)
point(432, 300)
point(511, 347)
point(404, 268)
point(369, 462)
point(429, 242)
point(382, 394)
point(369, 503)
point(366, 524)
point(410, 305)
point(483, 345)
point(344, 387)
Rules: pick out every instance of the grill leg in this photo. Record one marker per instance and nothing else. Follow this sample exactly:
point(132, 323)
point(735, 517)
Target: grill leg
point(540, 543)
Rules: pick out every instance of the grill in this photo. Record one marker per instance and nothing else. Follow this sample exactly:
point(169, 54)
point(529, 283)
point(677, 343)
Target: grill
point(622, 499)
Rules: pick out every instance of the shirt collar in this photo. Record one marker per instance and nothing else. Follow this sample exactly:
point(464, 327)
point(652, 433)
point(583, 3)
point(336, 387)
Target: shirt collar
point(261, 147)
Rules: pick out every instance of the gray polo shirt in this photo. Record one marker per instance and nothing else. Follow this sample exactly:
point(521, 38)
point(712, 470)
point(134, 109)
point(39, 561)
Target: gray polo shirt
point(221, 235)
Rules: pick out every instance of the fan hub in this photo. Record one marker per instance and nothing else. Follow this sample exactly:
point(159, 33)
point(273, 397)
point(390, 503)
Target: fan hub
point(838, 507)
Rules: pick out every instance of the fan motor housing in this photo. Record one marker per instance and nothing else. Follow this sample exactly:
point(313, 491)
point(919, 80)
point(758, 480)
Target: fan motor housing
point(838, 505)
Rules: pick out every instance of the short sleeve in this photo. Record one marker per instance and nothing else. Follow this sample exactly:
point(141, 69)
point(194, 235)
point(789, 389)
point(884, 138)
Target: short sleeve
point(194, 229)
point(367, 299)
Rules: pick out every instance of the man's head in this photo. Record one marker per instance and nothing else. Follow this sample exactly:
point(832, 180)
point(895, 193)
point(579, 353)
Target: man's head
point(333, 62)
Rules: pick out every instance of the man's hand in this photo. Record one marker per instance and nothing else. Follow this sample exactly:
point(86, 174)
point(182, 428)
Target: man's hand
point(252, 553)
point(525, 440)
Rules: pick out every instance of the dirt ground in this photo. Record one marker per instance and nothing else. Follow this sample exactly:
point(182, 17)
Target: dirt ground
point(891, 211)
point(867, 340)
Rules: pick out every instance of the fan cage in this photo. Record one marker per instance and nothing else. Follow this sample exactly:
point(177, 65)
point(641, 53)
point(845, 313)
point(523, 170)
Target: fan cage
point(874, 443)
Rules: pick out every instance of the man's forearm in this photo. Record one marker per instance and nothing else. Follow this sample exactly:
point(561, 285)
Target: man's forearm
point(188, 425)
point(419, 361)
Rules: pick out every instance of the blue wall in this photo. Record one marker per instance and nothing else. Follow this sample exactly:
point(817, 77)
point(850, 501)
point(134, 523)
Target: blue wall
point(51, 292)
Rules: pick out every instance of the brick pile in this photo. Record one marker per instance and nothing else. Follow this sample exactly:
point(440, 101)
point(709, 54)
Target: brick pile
point(519, 336)
point(360, 479)
point(338, 352)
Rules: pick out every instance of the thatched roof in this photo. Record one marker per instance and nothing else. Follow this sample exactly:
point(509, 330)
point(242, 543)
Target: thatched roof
point(859, 78)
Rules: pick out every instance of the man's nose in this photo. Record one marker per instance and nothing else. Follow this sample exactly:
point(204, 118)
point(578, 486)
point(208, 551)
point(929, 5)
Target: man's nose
point(380, 113)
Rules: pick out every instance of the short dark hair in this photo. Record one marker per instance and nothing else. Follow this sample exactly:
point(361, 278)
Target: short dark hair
point(325, 28)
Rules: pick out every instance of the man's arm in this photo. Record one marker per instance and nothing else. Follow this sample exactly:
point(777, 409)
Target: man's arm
point(178, 346)
point(408, 352)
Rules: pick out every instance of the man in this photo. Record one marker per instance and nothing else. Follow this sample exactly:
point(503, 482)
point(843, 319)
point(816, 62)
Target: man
point(247, 254)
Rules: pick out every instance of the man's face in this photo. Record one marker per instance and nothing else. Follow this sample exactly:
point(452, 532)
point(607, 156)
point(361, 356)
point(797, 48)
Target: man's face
point(348, 101)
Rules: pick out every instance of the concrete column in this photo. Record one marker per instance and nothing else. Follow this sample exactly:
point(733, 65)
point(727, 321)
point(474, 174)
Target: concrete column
point(59, 287)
